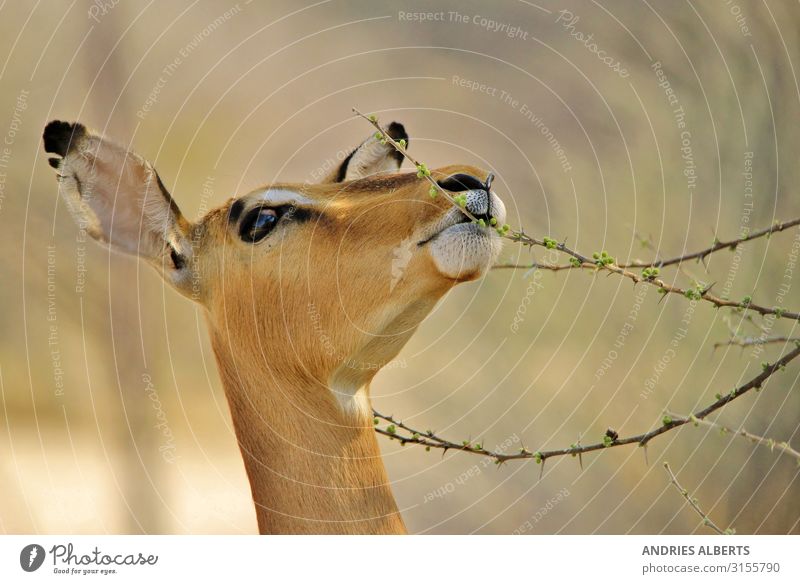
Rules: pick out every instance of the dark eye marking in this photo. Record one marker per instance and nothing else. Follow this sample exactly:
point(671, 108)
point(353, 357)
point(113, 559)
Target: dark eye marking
point(235, 210)
point(178, 261)
point(258, 222)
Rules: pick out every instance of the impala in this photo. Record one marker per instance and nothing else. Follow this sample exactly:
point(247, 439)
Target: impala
point(308, 290)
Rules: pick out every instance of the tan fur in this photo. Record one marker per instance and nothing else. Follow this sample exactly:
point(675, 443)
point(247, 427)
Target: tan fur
point(300, 324)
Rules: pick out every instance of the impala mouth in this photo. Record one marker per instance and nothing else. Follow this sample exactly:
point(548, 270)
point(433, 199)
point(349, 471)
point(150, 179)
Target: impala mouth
point(463, 250)
point(449, 224)
point(480, 206)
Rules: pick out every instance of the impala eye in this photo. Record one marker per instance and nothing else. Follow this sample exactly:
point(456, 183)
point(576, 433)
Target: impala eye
point(257, 224)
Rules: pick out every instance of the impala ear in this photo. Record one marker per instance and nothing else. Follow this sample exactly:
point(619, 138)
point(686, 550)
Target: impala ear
point(371, 157)
point(118, 197)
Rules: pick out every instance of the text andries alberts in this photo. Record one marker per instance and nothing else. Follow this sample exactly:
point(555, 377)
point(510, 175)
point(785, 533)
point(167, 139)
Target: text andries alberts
point(693, 550)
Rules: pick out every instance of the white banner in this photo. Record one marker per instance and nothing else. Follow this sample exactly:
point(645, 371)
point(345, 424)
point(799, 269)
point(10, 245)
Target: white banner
point(423, 559)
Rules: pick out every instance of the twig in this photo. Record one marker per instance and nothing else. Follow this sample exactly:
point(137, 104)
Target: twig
point(694, 504)
point(431, 440)
point(603, 261)
point(749, 341)
point(696, 293)
point(772, 444)
point(700, 255)
point(718, 245)
point(422, 169)
point(536, 265)
point(599, 261)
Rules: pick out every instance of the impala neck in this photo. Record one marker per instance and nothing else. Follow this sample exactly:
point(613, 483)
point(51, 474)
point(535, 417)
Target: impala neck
point(314, 466)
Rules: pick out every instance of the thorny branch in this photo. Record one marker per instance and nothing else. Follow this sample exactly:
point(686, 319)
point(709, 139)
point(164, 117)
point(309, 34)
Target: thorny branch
point(422, 169)
point(604, 262)
point(649, 276)
point(772, 444)
point(693, 503)
point(698, 255)
point(750, 341)
point(405, 434)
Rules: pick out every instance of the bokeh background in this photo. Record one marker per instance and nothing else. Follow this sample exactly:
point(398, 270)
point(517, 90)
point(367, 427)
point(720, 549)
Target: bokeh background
point(113, 418)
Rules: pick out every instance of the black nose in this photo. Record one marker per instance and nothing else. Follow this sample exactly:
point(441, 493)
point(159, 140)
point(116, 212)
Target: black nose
point(467, 182)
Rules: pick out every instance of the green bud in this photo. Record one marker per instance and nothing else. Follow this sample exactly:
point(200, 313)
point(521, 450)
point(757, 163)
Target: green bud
point(391, 429)
point(666, 420)
point(402, 142)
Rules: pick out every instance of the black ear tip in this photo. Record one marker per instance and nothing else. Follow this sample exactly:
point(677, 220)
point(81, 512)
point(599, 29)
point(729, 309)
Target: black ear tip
point(59, 137)
point(54, 162)
point(397, 131)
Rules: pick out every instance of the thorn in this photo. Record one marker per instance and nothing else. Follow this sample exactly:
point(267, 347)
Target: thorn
point(707, 289)
point(541, 470)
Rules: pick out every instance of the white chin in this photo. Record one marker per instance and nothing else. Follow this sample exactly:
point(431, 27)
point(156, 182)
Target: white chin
point(465, 251)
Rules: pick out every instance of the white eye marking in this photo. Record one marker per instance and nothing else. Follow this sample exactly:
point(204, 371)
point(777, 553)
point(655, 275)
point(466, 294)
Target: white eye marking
point(284, 197)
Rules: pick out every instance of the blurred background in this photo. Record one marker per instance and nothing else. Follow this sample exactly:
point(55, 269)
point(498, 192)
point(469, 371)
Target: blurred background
point(636, 127)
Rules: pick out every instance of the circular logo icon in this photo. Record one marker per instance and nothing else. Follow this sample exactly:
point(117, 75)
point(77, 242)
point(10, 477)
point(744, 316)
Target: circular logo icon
point(31, 557)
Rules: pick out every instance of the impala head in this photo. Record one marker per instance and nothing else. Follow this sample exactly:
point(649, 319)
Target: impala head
point(322, 282)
